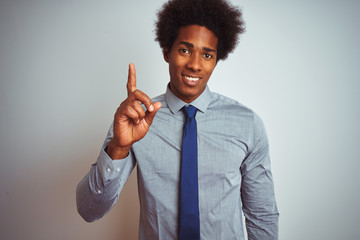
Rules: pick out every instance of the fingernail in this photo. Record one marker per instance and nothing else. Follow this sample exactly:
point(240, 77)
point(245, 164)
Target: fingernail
point(151, 108)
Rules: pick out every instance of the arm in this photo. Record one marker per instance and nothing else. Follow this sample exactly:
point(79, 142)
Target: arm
point(98, 191)
point(257, 190)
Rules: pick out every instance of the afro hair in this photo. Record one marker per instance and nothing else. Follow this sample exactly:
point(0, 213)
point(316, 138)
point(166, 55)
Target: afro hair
point(224, 20)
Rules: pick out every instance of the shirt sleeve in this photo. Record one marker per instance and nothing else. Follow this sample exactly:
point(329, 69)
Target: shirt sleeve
point(98, 191)
point(257, 189)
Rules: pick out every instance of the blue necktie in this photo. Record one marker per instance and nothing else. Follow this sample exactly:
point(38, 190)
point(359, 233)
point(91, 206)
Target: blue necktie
point(189, 223)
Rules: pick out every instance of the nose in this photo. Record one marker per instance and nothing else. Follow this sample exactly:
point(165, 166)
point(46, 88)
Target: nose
point(194, 63)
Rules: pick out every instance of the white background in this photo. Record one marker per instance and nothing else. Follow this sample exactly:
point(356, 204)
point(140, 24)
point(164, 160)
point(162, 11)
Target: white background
point(63, 70)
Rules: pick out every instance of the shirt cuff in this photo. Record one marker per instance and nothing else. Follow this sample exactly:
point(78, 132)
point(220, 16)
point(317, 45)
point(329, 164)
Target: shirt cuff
point(110, 169)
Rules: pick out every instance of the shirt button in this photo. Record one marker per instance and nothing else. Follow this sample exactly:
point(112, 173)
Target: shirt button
point(118, 170)
point(99, 191)
point(108, 169)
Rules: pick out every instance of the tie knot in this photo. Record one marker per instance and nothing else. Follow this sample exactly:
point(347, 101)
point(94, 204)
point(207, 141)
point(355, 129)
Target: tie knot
point(190, 111)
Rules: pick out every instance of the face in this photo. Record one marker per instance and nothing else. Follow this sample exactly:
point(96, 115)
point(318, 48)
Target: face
point(192, 60)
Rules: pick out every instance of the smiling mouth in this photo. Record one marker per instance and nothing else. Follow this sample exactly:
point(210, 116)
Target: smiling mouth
point(191, 79)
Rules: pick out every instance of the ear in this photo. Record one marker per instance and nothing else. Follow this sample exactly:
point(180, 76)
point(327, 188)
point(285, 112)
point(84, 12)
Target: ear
point(166, 55)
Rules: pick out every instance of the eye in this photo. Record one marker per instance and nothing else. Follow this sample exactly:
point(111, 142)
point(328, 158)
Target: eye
point(208, 56)
point(184, 51)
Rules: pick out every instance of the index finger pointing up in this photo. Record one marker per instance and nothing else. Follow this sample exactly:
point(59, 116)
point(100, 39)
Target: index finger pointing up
point(131, 83)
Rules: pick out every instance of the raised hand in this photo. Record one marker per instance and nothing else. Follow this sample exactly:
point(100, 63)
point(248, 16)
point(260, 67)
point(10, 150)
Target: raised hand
point(131, 122)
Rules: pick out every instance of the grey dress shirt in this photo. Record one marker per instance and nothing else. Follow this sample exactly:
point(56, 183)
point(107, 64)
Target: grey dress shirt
point(233, 169)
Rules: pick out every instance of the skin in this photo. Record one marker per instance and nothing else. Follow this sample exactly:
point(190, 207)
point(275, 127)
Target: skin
point(131, 122)
point(193, 54)
point(191, 59)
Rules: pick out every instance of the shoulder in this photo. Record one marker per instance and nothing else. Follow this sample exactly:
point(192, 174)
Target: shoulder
point(160, 98)
point(225, 104)
point(164, 112)
point(237, 113)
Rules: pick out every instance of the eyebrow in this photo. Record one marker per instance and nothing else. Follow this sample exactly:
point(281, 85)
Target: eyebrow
point(190, 45)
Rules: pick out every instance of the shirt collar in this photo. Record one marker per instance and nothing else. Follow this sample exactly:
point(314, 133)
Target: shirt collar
point(176, 104)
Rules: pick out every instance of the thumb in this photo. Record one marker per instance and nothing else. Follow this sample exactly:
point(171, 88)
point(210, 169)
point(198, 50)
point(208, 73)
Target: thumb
point(150, 115)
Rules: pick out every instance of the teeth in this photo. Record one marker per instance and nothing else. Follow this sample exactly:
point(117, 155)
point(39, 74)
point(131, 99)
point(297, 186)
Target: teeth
point(192, 78)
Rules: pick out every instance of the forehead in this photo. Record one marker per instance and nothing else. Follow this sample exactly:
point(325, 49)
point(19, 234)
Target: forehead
point(197, 35)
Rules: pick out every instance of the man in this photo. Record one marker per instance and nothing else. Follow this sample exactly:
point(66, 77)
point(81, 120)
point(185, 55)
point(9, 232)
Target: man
point(229, 171)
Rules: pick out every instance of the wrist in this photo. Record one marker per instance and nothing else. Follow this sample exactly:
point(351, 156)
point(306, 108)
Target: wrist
point(116, 152)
